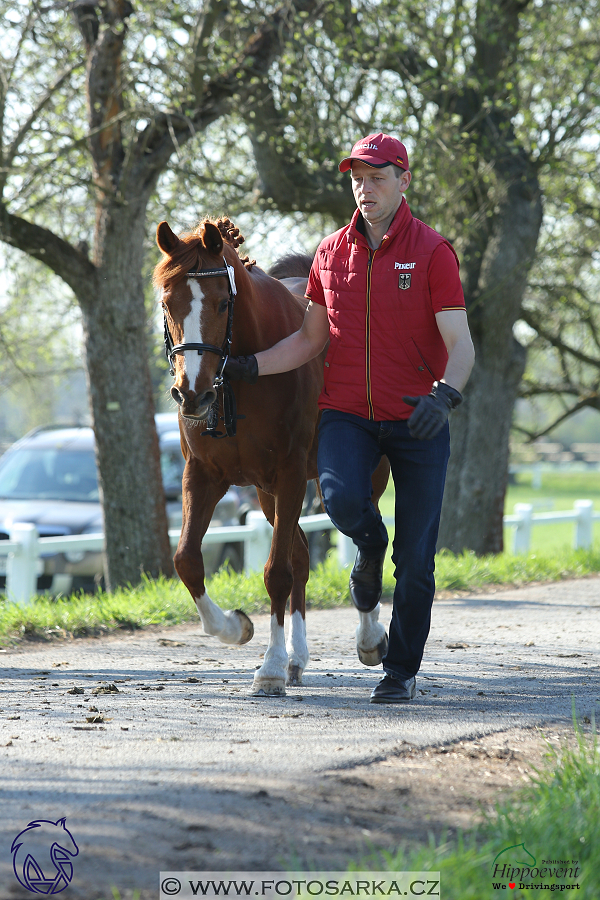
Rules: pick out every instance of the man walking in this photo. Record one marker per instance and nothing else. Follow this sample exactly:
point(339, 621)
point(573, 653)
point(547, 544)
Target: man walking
point(385, 292)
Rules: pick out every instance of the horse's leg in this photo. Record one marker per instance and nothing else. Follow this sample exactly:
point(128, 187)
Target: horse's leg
point(282, 511)
point(199, 498)
point(297, 648)
point(371, 637)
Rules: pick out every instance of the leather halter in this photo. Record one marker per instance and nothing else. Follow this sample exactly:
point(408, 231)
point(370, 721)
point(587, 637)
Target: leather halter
point(220, 380)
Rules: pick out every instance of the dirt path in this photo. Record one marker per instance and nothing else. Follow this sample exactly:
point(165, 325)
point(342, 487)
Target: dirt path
point(179, 769)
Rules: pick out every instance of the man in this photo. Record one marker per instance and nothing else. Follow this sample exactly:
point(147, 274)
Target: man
point(386, 293)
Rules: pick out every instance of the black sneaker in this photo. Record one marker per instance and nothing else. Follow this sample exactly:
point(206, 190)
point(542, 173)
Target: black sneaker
point(366, 582)
point(394, 690)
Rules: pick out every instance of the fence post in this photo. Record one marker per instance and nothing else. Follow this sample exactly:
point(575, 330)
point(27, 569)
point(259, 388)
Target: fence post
point(258, 545)
point(21, 565)
point(346, 551)
point(584, 526)
point(523, 528)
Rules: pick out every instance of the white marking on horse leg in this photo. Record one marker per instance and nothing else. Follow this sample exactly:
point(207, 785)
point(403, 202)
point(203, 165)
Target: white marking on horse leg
point(192, 333)
point(269, 680)
point(297, 648)
point(371, 639)
point(231, 626)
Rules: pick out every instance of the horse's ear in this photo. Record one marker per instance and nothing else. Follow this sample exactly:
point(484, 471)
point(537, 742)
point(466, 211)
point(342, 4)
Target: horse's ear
point(211, 238)
point(166, 240)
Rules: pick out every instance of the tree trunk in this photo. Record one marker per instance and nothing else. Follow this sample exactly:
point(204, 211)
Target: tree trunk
point(120, 390)
point(495, 282)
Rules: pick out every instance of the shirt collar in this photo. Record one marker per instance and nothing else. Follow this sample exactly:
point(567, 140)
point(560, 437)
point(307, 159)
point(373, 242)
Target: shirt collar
point(401, 220)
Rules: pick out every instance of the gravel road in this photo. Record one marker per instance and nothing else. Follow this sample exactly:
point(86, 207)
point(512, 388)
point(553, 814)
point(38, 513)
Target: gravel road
point(151, 746)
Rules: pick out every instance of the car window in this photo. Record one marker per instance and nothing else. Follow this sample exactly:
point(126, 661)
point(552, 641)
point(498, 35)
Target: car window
point(49, 474)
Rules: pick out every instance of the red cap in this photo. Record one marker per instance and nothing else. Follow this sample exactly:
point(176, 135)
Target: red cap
point(377, 150)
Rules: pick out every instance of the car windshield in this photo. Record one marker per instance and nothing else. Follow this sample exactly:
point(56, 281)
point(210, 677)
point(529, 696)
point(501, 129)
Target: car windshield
point(49, 474)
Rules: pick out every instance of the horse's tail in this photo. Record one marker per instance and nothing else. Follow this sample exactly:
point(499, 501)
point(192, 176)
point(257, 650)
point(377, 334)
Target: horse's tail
point(292, 265)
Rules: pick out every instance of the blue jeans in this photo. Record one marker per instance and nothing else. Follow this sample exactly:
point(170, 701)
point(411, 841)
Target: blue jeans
point(350, 449)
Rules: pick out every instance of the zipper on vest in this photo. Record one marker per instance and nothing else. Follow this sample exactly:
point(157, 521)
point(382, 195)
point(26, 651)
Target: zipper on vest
point(425, 364)
point(368, 334)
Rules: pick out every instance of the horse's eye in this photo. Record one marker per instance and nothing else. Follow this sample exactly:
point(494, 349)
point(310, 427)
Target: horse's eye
point(223, 306)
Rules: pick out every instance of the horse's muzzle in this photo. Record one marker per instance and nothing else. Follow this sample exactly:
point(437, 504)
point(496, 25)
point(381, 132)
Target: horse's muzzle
point(192, 405)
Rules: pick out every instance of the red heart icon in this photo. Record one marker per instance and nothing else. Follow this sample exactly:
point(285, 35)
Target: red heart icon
point(512, 884)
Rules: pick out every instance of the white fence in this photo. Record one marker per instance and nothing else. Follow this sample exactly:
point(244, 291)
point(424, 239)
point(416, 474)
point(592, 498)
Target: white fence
point(25, 548)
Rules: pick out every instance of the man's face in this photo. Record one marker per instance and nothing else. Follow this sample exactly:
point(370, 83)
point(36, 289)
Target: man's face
point(377, 192)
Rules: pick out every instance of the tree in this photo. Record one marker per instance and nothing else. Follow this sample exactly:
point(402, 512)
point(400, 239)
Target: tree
point(562, 308)
point(493, 96)
point(95, 98)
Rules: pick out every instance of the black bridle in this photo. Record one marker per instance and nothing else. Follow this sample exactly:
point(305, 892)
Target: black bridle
point(220, 381)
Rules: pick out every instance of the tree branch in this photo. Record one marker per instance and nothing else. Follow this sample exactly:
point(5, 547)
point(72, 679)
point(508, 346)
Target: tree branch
point(555, 340)
point(592, 401)
point(72, 265)
point(20, 135)
point(154, 145)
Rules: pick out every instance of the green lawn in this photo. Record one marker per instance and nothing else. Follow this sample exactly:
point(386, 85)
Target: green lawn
point(556, 815)
point(559, 490)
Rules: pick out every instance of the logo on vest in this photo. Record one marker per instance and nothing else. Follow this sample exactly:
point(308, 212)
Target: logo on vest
point(404, 282)
point(404, 265)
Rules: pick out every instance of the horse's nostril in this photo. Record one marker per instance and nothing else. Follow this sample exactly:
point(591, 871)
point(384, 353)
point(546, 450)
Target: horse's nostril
point(205, 399)
point(176, 395)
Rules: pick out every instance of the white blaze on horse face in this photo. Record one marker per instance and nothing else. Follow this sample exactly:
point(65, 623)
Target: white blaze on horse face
point(192, 333)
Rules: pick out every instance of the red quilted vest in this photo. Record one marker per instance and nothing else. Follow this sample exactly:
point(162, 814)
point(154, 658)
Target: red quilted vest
point(384, 340)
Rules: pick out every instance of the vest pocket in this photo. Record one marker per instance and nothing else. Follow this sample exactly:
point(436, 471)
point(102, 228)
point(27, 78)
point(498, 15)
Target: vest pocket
point(418, 363)
point(333, 346)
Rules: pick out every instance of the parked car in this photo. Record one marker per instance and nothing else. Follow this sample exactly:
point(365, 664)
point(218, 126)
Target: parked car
point(49, 478)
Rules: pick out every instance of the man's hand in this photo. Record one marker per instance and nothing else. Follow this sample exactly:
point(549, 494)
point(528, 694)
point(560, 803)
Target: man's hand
point(242, 368)
point(432, 410)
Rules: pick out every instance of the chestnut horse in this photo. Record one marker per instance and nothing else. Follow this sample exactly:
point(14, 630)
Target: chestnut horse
point(216, 303)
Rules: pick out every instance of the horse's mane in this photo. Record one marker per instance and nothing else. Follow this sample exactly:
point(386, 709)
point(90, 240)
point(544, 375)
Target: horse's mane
point(292, 265)
point(186, 256)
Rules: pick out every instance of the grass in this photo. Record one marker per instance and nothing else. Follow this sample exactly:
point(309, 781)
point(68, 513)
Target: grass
point(555, 816)
point(167, 602)
point(559, 491)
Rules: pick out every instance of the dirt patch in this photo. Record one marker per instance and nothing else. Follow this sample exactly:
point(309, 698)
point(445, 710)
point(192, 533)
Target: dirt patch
point(450, 787)
point(347, 815)
point(403, 799)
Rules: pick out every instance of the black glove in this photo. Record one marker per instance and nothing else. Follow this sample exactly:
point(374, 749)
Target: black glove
point(432, 410)
point(242, 368)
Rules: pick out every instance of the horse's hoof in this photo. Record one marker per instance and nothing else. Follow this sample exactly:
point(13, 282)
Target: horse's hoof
point(246, 626)
point(373, 657)
point(268, 687)
point(294, 677)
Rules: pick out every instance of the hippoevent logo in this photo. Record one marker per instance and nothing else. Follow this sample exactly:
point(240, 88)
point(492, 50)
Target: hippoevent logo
point(42, 855)
point(515, 867)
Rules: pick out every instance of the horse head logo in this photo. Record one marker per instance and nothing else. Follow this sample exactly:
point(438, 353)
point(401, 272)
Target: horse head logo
point(42, 856)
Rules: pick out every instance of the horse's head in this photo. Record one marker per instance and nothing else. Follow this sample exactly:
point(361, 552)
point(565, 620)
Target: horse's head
point(196, 312)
